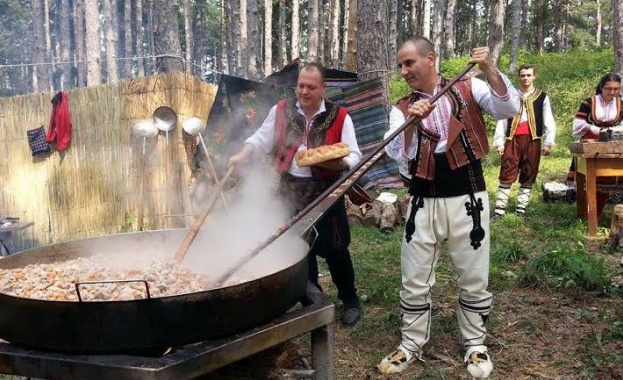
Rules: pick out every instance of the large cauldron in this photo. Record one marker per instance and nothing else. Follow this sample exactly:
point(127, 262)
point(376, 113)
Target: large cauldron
point(274, 281)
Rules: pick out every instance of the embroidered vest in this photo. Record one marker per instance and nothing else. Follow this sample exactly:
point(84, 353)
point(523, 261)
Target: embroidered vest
point(534, 110)
point(326, 129)
point(467, 132)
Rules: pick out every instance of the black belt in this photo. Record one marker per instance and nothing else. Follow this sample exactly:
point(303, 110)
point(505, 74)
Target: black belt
point(294, 179)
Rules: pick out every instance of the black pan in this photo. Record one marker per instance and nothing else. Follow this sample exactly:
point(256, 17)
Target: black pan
point(274, 282)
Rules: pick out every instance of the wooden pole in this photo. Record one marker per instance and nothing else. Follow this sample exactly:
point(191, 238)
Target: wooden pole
point(330, 195)
point(141, 200)
point(194, 229)
point(212, 170)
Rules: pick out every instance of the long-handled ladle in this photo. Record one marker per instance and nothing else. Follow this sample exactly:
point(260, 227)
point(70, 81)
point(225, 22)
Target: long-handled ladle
point(194, 126)
point(329, 196)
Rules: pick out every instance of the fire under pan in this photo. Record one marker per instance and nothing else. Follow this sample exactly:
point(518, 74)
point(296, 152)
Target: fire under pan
point(315, 316)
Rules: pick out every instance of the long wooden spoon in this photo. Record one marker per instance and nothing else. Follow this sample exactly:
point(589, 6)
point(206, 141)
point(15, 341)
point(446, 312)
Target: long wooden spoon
point(192, 233)
point(332, 194)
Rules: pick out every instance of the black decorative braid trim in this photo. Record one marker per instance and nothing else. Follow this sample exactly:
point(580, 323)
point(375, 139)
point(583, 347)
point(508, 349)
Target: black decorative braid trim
point(474, 207)
point(416, 204)
point(321, 123)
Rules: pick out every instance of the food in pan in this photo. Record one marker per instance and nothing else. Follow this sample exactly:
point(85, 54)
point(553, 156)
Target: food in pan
point(56, 281)
point(323, 153)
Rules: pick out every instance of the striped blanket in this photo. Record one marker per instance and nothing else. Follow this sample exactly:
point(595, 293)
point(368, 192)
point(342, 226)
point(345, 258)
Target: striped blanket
point(367, 107)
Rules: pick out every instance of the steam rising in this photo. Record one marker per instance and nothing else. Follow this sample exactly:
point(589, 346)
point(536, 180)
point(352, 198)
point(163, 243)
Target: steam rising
point(254, 215)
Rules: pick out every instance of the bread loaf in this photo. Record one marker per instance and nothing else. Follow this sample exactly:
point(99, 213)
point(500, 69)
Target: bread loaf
point(323, 153)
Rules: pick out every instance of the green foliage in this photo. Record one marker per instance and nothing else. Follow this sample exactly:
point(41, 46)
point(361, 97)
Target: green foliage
point(567, 267)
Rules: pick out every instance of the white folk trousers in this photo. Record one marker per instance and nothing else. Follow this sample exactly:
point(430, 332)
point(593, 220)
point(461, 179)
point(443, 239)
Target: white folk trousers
point(445, 221)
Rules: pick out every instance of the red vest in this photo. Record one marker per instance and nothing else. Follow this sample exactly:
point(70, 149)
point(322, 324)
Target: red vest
point(326, 129)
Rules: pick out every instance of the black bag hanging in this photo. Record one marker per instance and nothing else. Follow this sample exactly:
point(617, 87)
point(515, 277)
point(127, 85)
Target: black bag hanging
point(36, 141)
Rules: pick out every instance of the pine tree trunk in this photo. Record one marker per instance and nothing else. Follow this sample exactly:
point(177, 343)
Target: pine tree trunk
point(372, 41)
point(416, 19)
point(426, 5)
point(617, 34)
point(110, 30)
point(126, 64)
point(93, 43)
point(167, 47)
point(283, 55)
point(48, 45)
point(496, 29)
point(188, 36)
point(322, 34)
point(437, 28)
point(541, 12)
point(41, 77)
point(393, 29)
point(351, 50)
point(516, 10)
point(525, 33)
point(232, 42)
point(224, 53)
point(65, 45)
point(253, 40)
point(313, 31)
point(80, 38)
point(200, 44)
point(268, 37)
point(296, 34)
point(334, 34)
point(345, 35)
point(243, 42)
point(449, 27)
point(598, 25)
point(559, 11)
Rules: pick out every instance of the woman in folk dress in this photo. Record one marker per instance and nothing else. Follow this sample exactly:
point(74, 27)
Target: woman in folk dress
point(602, 111)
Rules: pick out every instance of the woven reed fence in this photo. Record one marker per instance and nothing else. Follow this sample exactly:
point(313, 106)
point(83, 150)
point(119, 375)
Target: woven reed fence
point(92, 188)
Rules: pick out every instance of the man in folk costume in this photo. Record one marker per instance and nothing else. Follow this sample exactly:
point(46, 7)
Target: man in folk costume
point(308, 122)
point(521, 140)
point(449, 202)
point(599, 113)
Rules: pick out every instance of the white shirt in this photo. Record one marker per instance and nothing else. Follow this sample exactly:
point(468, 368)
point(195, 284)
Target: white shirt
point(549, 124)
point(500, 107)
point(264, 139)
point(603, 112)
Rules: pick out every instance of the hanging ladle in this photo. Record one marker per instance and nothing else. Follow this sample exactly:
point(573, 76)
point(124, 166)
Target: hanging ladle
point(165, 119)
point(194, 126)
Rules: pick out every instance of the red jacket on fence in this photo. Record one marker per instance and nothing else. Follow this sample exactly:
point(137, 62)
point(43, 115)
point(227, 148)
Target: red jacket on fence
point(59, 130)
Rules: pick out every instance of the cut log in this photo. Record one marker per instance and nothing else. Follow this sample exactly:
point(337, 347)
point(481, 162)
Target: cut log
point(389, 218)
point(353, 212)
point(372, 217)
point(616, 227)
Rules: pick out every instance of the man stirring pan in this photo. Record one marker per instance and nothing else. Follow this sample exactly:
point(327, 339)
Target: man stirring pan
point(293, 126)
point(449, 202)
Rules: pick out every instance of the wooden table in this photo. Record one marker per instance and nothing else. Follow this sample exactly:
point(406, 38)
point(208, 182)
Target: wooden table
point(5, 233)
point(594, 159)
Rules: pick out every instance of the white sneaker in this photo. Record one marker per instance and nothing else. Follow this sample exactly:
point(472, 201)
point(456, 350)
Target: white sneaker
point(478, 362)
point(396, 362)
